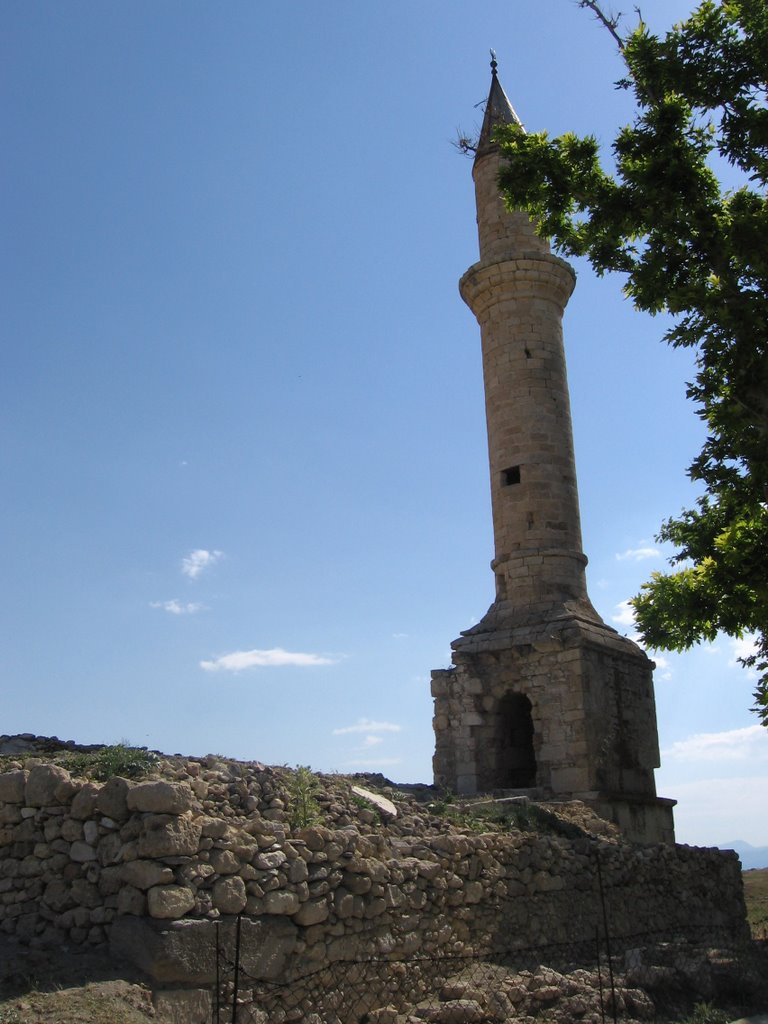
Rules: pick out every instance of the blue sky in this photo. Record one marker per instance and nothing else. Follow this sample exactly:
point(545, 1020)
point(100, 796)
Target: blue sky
point(246, 505)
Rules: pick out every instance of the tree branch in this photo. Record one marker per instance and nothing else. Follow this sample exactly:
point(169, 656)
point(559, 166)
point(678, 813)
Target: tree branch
point(611, 22)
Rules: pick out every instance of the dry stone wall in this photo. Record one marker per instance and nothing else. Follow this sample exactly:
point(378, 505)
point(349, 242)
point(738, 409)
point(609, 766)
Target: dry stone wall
point(153, 866)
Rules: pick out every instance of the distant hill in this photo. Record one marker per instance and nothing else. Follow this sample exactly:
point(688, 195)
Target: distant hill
point(750, 856)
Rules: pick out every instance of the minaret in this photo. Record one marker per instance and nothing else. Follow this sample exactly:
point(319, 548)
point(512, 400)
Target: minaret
point(518, 292)
point(543, 697)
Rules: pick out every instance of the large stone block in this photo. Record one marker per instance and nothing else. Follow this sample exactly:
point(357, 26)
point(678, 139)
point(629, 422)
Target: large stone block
point(184, 1006)
point(185, 951)
point(12, 785)
point(169, 901)
point(84, 801)
point(46, 784)
point(160, 797)
point(165, 835)
point(229, 894)
point(112, 798)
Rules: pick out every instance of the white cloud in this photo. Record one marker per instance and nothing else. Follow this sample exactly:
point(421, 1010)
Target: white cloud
point(399, 636)
point(175, 607)
point(663, 666)
point(367, 726)
point(743, 648)
point(625, 614)
point(638, 554)
point(275, 657)
point(372, 741)
point(747, 744)
point(197, 560)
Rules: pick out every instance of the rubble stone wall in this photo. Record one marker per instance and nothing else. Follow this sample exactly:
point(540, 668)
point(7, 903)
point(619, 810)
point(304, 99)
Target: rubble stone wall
point(153, 866)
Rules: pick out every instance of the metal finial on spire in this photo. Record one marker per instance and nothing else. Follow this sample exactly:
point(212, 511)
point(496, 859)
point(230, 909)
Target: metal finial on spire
point(498, 110)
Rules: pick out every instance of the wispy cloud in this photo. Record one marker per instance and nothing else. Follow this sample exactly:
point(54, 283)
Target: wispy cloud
point(176, 607)
point(638, 554)
point(366, 725)
point(198, 560)
point(747, 744)
point(625, 614)
point(276, 657)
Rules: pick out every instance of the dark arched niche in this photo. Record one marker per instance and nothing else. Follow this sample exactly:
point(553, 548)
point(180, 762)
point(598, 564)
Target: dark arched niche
point(515, 757)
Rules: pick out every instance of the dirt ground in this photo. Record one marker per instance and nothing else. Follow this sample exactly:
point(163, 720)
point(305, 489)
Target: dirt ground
point(69, 986)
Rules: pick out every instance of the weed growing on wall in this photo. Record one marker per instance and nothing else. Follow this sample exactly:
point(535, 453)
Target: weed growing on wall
point(706, 1013)
point(303, 807)
point(504, 817)
point(117, 759)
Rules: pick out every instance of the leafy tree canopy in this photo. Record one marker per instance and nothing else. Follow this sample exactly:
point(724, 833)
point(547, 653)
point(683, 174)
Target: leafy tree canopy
point(693, 248)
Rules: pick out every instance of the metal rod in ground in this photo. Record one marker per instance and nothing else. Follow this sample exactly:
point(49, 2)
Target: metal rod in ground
point(217, 1004)
point(607, 937)
point(599, 973)
point(237, 969)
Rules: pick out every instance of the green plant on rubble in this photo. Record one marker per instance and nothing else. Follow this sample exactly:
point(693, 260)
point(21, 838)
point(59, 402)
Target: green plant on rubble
point(303, 807)
point(706, 1013)
point(118, 759)
point(503, 817)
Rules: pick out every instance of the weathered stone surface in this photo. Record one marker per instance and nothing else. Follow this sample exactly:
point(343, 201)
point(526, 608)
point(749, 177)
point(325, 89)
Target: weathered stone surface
point(384, 806)
point(169, 901)
point(12, 785)
point(184, 1006)
point(112, 798)
point(82, 852)
point(312, 912)
point(58, 895)
point(84, 801)
point(85, 893)
point(454, 1011)
point(91, 832)
point(131, 900)
point(215, 828)
point(267, 861)
point(281, 902)
point(145, 873)
point(224, 862)
point(43, 782)
point(185, 951)
point(268, 945)
point(229, 895)
point(160, 797)
point(168, 836)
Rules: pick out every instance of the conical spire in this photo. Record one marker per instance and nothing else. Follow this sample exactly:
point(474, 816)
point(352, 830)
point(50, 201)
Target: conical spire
point(498, 110)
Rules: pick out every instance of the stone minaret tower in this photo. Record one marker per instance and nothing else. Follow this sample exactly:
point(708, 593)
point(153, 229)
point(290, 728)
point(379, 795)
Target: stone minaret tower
point(543, 695)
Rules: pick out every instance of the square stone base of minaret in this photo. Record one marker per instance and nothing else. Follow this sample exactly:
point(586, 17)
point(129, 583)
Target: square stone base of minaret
point(562, 710)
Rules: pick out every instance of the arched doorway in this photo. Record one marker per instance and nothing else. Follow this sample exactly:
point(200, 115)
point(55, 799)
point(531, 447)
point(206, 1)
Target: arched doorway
point(515, 756)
